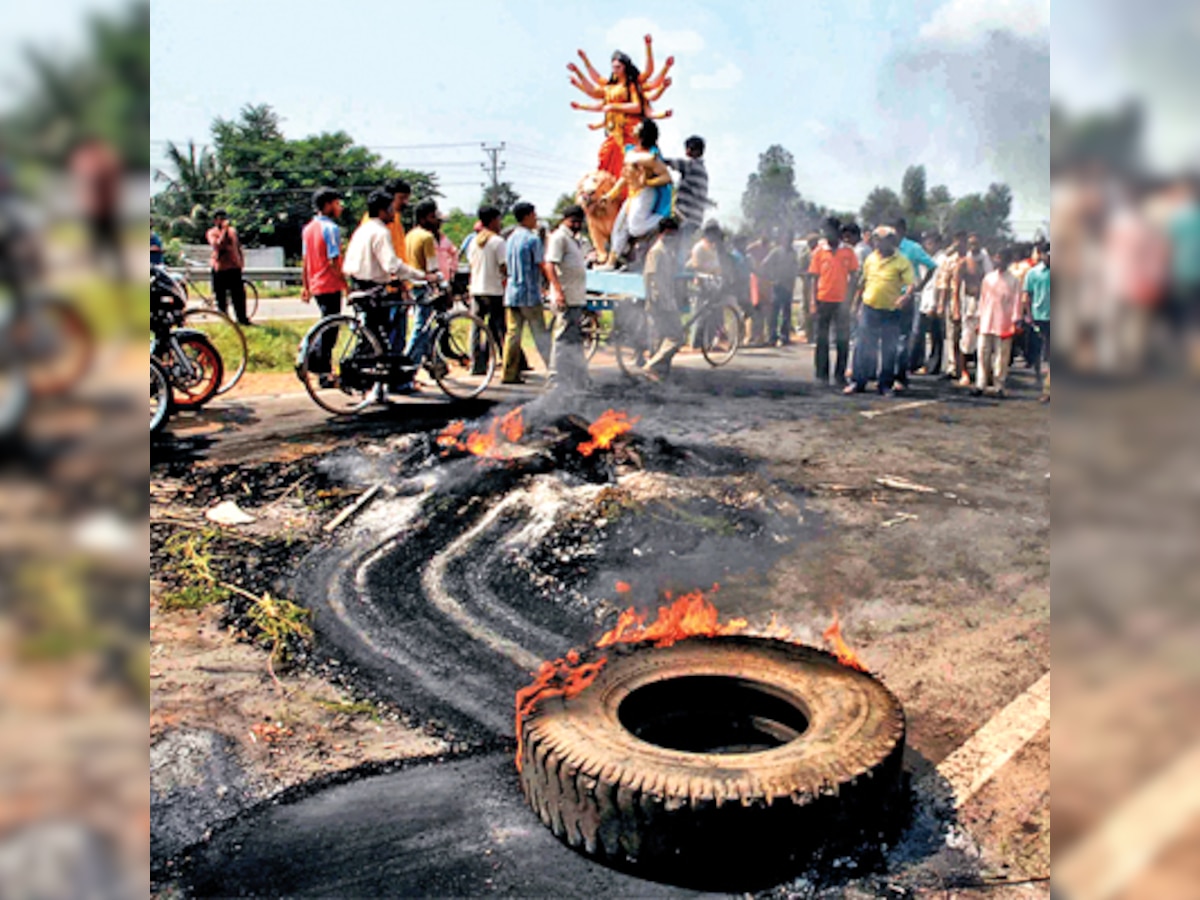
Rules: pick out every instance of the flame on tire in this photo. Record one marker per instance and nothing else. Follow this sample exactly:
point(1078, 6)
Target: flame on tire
point(690, 615)
point(564, 677)
point(686, 616)
point(841, 649)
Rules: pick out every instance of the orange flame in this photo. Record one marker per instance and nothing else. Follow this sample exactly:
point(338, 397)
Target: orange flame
point(512, 425)
point(606, 429)
point(841, 649)
point(565, 677)
point(450, 435)
point(776, 629)
point(624, 587)
point(689, 616)
point(510, 428)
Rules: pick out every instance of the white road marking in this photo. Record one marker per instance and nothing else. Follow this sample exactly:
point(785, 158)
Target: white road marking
point(973, 764)
point(899, 407)
point(1109, 857)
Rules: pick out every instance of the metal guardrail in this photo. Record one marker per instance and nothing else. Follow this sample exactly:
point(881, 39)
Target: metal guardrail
point(281, 273)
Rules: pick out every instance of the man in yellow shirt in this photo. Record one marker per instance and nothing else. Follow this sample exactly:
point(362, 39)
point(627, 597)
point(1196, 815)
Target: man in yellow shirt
point(421, 249)
point(887, 283)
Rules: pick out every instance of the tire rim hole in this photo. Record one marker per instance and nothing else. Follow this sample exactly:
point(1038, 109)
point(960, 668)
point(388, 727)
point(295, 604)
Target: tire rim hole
point(712, 714)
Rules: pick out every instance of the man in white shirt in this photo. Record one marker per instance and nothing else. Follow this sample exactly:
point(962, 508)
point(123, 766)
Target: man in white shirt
point(929, 325)
point(566, 270)
point(485, 255)
point(371, 260)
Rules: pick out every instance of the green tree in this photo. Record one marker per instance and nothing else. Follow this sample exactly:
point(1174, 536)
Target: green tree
point(771, 200)
point(986, 214)
point(912, 189)
point(181, 209)
point(458, 225)
point(502, 196)
point(882, 207)
point(267, 180)
point(561, 204)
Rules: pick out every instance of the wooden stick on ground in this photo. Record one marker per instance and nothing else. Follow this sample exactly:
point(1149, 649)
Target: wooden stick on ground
point(364, 498)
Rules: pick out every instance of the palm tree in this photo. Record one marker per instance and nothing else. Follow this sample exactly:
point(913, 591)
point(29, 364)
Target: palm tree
point(181, 208)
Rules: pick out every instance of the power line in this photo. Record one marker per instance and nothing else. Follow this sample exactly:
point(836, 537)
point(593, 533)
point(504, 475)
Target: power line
point(184, 143)
point(528, 151)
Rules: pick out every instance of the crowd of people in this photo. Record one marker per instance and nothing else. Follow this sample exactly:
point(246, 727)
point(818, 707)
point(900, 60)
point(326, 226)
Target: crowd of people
point(511, 278)
point(878, 306)
point(936, 307)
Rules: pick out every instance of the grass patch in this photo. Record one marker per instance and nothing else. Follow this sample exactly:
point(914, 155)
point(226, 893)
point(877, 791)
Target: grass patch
point(350, 708)
point(282, 625)
point(271, 346)
point(189, 559)
point(193, 596)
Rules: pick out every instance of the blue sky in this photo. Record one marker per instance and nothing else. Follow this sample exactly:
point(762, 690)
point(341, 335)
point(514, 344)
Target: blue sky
point(856, 90)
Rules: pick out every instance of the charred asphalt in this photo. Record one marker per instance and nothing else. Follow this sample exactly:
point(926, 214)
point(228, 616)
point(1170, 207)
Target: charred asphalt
point(444, 590)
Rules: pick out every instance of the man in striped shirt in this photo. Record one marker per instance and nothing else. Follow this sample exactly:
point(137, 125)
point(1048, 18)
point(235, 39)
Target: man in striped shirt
point(691, 194)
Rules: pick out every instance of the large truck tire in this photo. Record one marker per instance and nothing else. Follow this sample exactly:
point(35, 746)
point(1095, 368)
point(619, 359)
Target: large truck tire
point(716, 761)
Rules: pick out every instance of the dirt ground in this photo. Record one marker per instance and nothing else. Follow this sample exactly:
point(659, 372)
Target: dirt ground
point(923, 525)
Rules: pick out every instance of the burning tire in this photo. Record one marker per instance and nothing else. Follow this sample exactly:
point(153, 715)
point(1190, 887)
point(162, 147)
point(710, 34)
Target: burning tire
point(724, 760)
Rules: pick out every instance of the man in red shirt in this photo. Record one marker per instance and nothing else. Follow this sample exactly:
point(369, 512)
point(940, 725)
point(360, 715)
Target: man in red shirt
point(836, 269)
point(227, 265)
point(322, 271)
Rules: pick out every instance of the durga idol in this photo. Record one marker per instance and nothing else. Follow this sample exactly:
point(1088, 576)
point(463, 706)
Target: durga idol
point(625, 99)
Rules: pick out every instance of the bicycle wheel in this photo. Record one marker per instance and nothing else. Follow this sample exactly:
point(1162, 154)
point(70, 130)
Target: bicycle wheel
point(58, 347)
point(160, 397)
point(589, 324)
point(721, 334)
point(343, 390)
point(195, 388)
point(227, 337)
point(631, 339)
point(194, 286)
point(251, 299)
point(461, 370)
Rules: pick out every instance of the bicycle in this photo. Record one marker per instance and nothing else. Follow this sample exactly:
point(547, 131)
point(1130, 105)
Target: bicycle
point(192, 286)
point(718, 322)
point(461, 359)
point(596, 329)
point(190, 361)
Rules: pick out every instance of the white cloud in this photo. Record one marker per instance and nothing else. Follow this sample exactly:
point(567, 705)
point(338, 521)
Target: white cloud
point(818, 129)
point(628, 35)
point(726, 77)
point(964, 21)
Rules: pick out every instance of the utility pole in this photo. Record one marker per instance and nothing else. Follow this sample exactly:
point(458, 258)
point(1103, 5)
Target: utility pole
point(493, 166)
